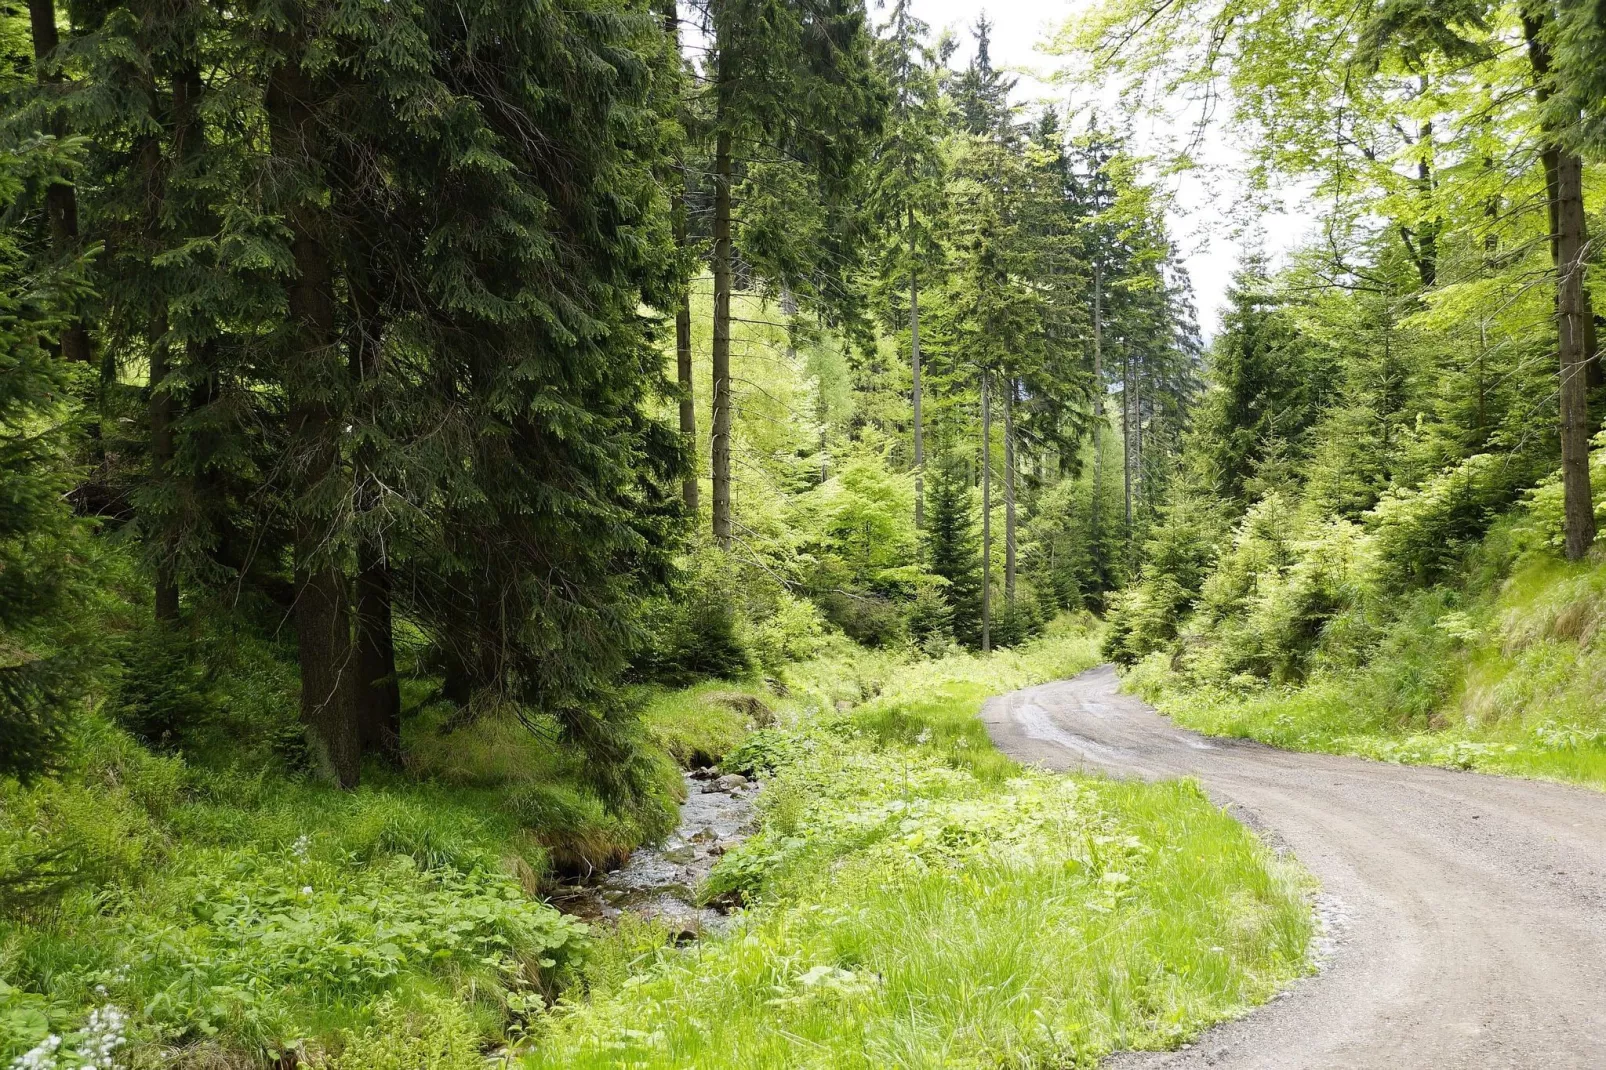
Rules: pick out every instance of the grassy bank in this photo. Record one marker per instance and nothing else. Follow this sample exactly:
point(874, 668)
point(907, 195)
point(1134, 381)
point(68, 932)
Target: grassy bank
point(915, 899)
point(1505, 679)
point(235, 912)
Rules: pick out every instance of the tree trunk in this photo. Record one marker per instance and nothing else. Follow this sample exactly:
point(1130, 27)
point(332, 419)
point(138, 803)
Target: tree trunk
point(160, 407)
point(683, 374)
point(377, 691)
point(721, 431)
point(914, 370)
point(1571, 316)
point(1009, 492)
point(1126, 437)
point(1098, 409)
point(683, 370)
point(61, 198)
point(159, 401)
point(312, 382)
point(1574, 326)
point(986, 518)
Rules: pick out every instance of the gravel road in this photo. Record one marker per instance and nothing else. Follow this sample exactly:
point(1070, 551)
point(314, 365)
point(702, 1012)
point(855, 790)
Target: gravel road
point(1466, 913)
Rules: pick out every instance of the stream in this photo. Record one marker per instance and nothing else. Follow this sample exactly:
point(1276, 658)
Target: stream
point(660, 883)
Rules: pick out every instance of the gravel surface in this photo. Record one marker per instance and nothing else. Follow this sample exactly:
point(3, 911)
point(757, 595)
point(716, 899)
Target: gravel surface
point(1464, 916)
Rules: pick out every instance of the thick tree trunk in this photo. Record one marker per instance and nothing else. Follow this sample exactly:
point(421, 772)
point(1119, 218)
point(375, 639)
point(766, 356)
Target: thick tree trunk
point(378, 689)
point(914, 371)
point(1009, 492)
point(986, 518)
point(61, 198)
point(1574, 316)
point(312, 382)
point(721, 431)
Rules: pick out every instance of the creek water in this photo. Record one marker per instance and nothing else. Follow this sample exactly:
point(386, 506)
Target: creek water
point(660, 882)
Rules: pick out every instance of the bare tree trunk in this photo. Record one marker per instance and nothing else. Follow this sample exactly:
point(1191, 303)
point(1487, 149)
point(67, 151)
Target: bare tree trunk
point(1009, 492)
point(683, 372)
point(61, 198)
point(376, 691)
point(322, 607)
point(722, 338)
point(986, 518)
point(1098, 405)
point(1126, 437)
point(914, 369)
point(1574, 326)
point(160, 408)
point(1571, 315)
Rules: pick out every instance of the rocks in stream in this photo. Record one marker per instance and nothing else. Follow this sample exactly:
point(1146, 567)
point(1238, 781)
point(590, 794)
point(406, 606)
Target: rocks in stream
point(659, 883)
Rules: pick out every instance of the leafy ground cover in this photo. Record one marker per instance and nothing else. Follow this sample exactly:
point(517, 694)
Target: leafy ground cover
point(189, 911)
point(916, 900)
point(1506, 681)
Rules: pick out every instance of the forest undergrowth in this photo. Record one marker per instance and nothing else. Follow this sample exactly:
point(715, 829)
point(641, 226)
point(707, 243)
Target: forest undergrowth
point(1499, 667)
point(911, 896)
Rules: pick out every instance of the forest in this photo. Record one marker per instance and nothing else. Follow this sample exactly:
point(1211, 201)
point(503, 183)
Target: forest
point(439, 444)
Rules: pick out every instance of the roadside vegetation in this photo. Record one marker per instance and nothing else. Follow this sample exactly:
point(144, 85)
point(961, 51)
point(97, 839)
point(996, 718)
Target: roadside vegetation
point(1500, 669)
point(913, 898)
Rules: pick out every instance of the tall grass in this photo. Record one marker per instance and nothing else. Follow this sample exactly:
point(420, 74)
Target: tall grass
point(917, 900)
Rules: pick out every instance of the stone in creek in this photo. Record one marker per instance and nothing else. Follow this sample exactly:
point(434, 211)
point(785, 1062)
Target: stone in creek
point(731, 782)
point(704, 835)
point(680, 854)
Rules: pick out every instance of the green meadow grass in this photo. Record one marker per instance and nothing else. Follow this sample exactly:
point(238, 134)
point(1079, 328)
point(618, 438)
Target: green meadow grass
point(915, 899)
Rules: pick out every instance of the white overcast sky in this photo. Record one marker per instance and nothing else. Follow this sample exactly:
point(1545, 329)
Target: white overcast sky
point(1210, 214)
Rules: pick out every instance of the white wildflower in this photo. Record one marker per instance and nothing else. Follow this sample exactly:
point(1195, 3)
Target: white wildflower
point(306, 889)
point(302, 848)
point(41, 1057)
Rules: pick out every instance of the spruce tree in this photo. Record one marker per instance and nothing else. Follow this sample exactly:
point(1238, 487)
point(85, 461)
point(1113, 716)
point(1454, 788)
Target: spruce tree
point(952, 550)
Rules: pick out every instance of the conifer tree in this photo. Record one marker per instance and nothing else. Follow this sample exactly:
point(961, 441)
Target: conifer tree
point(41, 544)
point(951, 546)
point(793, 75)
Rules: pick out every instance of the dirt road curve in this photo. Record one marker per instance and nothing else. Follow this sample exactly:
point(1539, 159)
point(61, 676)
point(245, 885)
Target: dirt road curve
point(1470, 910)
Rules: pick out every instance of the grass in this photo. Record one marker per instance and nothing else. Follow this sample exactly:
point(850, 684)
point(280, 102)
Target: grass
point(240, 913)
point(917, 900)
point(914, 898)
point(1510, 682)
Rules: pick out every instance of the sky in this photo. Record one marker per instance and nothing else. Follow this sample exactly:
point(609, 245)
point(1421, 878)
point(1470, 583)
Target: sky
point(1204, 226)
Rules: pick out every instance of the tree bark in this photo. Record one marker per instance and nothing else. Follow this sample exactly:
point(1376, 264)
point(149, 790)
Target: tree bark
point(312, 372)
point(1571, 315)
point(1009, 492)
point(683, 370)
point(1098, 407)
point(914, 370)
point(1574, 326)
point(161, 411)
point(986, 518)
point(683, 367)
point(61, 198)
point(721, 431)
point(377, 691)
